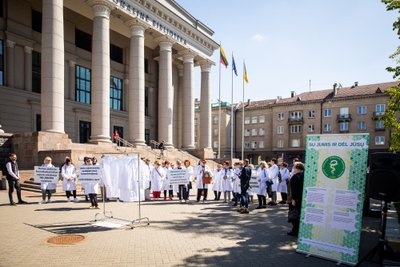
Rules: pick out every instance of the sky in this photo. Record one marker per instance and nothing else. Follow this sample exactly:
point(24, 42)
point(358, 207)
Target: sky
point(287, 43)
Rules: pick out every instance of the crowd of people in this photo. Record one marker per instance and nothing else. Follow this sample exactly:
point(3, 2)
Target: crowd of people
point(237, 184)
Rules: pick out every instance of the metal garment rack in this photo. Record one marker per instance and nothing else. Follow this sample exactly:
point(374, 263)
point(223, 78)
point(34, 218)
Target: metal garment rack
point(108, 214)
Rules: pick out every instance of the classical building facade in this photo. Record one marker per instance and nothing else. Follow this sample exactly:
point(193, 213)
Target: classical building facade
point(89, 67)
point(278, 127)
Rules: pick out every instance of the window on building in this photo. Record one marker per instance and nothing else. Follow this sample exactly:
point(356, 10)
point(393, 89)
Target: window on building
point(215, 119)
point(116, 93)
point(215, 144)
point(36, 72)
point(146, 65)
point(261, 132)
point(361, 110)
point(116, 53)
point(379, 125)
point(361, 125)
point(295, 128)
point(261, 144)
point(380, 109)
point(1, 62)
point(82, 84)
point(83, 40)
point(147, 136)
point(261, 119)
point(38, 122)
point(311, 128)
point(254, 132)
point(344, 126)
point(84, 131)
point(327, 127)
point(215, 132)
point(36, 21)
point(295, 143)
point(344, 112)
point(280, 129)
point(295, 115)
point(254, 144)
point(146, 102)
point(280, 143)
point(379, 140)
point(246, 144)
point(328, 112)
point(311, 113)
point(254, 119)
point(120, 130)
point(281, 116)
point(246, 120)
point(246, 132)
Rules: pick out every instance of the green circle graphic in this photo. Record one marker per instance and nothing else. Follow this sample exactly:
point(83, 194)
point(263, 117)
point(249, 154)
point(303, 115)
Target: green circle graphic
point(333, 167)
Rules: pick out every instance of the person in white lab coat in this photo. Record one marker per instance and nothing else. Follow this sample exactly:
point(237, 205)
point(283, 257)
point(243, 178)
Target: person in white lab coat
point(68, 174)
point(47, 188)
point(262, 179)
point(226, 181)
point(157, 175)
point(189, 177)
point(91, 189)
point(284, 180)
point(167, 187)
point(236, 182)
point(273, 177)
point(217, 182)
point(201, 170)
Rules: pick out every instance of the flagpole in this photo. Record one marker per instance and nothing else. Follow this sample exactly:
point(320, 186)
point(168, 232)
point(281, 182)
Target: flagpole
point(232, 115)
point(243, 116)
point(219, 110)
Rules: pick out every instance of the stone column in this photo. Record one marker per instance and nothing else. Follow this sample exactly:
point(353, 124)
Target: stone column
point(188, 102)
point(10, 63)
point(101, 73)
point(165, 94)
point(179, 106)
point(28, 68)
point(71, 73)
point(205, 107)
point(136, 116)
point(52, 60)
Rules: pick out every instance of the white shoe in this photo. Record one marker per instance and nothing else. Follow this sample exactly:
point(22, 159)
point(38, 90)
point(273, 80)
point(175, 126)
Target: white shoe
point(68, 200)
point(42, 202)
point(76, 200)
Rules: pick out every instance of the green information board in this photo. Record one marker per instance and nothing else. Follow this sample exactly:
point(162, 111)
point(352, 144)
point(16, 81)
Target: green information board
point(333, 194)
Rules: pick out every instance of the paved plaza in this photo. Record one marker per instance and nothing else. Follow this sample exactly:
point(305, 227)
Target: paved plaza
point(210, 234)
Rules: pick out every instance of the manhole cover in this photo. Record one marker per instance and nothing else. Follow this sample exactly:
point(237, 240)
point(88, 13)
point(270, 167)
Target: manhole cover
point(65, 239)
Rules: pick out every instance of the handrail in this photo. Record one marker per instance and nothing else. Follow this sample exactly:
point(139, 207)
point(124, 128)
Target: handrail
point(124, 142)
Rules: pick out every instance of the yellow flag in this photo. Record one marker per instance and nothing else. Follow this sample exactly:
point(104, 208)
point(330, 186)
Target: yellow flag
point(246, 79)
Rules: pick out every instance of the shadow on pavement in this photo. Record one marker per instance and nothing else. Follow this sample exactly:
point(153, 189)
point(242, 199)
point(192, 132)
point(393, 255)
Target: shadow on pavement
point(80, 227)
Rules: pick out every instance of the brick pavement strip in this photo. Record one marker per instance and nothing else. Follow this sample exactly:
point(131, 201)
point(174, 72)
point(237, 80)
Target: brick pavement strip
point(212, 234)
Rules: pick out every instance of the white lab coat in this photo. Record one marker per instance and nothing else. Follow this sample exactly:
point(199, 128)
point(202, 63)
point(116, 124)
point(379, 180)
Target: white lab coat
point(48, 186)
point(262, 179)
point(226, 184)
point(282, 187)
point(157, 175)
point(68, 173)
point(273, 176)
point(236, 180)
point(165, 182)
point(199, 176)
point(217, 180)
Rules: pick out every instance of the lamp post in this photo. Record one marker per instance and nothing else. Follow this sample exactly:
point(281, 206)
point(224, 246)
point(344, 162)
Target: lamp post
point(244, 106)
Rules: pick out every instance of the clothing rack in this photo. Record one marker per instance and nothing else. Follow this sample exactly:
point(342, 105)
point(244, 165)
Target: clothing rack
point(108, 215)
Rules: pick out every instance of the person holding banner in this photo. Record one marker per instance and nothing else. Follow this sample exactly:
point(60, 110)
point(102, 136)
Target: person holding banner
point(217, 184)
point(47, 188)
point(203, 176)
point(226, 181)
point(189, 175)
point(91, 189)
point(182, 188)
point(68, 174)
point(296, 184)
point(157, 175)
point(166, 184)
point(262, 179)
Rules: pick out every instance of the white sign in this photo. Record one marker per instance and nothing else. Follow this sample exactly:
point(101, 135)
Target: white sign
point(46, 174)
point(89, 173)
point(254, 184)
point(177, 176)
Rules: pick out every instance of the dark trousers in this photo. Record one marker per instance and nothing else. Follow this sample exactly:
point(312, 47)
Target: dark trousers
point(284, 197)
point(262, 200)
point(237, 197)
point(170, 192)
point(69, 194)
point(44, 192)
point(200, 191)
point(182, 192)
point(217, 195)
point(245, 199)
point(93, 200)
point(13, 183)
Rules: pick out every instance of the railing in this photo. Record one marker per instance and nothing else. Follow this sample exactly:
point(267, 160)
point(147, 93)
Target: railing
point(122, 142)
point(295, 120)
point(377, 115)
point(344, 117)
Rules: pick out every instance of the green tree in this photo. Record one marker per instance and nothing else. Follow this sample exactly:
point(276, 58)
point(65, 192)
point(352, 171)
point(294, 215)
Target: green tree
point(393, 106)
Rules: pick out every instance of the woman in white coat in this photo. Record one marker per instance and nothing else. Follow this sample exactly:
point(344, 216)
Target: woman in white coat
point(157, 175)
point(200, 171)
point(273, 177)
point(217, 182)
point(236, 182)
point(282, 187)
point(189, 177)
point(68, 174)
point(92, 188)
point(226, 181)
point(47, 188)
point(167, 187)
point(262, 179)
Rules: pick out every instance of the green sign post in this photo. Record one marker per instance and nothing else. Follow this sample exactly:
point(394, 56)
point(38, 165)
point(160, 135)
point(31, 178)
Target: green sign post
point(333, 194)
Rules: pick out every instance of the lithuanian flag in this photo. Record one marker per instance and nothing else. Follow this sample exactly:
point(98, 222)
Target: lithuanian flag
point(222, 57)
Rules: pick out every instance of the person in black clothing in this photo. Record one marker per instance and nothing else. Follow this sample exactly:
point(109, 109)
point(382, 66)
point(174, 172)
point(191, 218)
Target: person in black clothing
point(12, 174)
point(296, 184)
point(244, 177)
point(161, 147)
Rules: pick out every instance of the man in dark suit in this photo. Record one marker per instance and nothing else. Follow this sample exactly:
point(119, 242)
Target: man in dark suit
point(244, 177)
point(12, 174)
